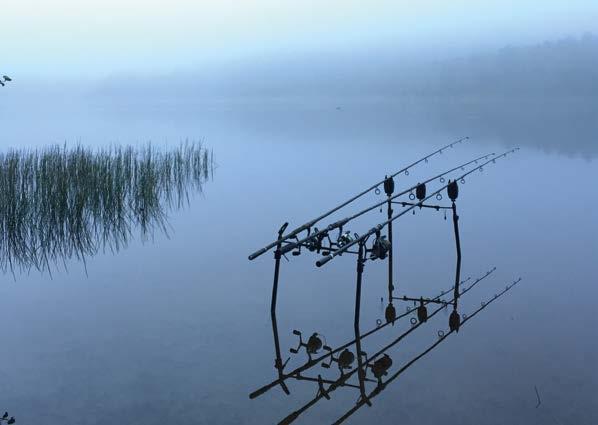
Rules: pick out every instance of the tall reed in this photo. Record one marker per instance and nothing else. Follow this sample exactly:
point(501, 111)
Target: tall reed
point(58, 203)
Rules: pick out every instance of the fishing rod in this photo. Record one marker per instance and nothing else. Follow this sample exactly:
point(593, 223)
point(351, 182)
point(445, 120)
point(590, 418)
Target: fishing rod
point(441, 337)
point(340, 223)
point(340, 382)
point(322, 261)
point(310, 363)
point(311, 223)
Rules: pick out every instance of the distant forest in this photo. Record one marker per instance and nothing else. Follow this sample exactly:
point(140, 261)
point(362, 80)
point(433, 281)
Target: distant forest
point(566, 67)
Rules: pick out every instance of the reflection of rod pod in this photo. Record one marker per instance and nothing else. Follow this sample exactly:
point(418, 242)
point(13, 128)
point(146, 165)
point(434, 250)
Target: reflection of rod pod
point(420, 191)
point(454, 321)
point(453, 192)
point(422, 312)
point(381, 366)
point(314, 344)
point(322, 261)
point(278, 364)
point(390, 313)
point(346, 359)
point(442, 336)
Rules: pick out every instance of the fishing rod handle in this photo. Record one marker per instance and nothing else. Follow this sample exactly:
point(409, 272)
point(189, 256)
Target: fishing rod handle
point(323, 260)
point(282, 239)
point(258, 253)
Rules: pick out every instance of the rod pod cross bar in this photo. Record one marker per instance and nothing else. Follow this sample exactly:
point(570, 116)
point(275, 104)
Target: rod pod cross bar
point(380, 226)
point(311, 223)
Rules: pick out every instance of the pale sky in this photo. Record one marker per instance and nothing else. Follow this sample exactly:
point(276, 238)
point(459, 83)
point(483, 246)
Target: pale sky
point(90, 38)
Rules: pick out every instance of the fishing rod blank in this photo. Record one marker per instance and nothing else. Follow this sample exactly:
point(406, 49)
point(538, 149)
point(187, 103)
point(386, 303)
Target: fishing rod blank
point(294, 415)
point(311, 223)
point(441, 337)
point(340, 223)
point(380, 226)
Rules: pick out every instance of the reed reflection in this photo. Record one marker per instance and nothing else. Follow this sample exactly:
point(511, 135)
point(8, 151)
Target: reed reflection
point(58, 203)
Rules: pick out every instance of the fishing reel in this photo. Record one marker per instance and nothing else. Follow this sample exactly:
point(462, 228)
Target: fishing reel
point(315, 242)
point(345, 238)
point(380, 247)
point(344, 360)
point(313, 345)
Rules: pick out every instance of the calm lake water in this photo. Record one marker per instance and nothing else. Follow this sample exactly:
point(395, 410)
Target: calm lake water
point(177, 329)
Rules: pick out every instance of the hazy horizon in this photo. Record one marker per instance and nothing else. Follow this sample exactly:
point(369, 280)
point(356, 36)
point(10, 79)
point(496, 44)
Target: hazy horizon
point(133, 300)
point(95, 39)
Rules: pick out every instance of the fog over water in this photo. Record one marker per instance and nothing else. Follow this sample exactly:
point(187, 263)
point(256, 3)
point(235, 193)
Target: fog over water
point(177, 329)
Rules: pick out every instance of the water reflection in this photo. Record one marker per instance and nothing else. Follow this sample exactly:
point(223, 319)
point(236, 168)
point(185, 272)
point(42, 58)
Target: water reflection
point(357, 369)
point(375, 370)
point(59, 203)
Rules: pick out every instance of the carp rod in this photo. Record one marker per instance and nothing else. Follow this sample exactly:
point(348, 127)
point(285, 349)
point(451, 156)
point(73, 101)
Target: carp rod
point(311, 223)
point(340, 223)
point(310, 363)
point(322, 261)
point(441, 337)
point(342, 380)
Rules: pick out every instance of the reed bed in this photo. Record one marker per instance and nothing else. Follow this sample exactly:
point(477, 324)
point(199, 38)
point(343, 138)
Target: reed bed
point(58, 203)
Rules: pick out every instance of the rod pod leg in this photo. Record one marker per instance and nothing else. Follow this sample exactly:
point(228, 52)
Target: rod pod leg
point(360, 370)
point(454, 320)
point(278, 363)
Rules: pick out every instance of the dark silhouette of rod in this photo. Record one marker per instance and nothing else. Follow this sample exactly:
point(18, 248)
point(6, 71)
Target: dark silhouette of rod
point(364, 400)
point(380, 226)
point(441, 338)
point(340, 223)
point(311, 223)
point(313, 362)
